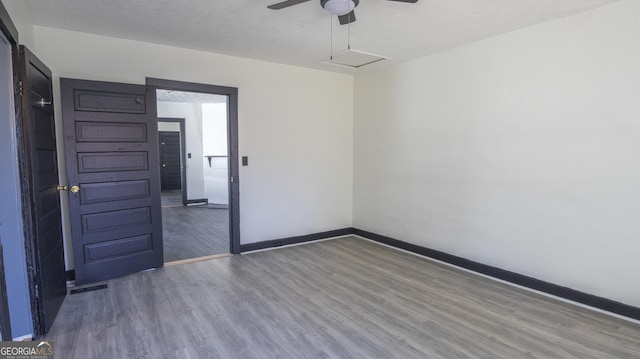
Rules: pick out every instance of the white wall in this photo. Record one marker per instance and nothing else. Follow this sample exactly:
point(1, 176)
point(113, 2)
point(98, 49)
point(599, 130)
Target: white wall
point(521, 151)
point(295, 124)
point(214, 142)
point(192, 114)
point(19, 13)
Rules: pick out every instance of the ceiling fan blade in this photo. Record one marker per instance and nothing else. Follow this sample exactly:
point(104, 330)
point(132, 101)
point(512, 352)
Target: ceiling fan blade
point(348, 18)
point(282, 5)
point(410, 1)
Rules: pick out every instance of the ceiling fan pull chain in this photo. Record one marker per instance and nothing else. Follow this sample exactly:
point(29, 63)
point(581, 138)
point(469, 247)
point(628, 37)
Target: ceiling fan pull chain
point(349, 33)
point(331, 30)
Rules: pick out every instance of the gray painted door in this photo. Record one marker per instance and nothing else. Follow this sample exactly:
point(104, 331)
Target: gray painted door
point(111, 146)
point(47, 270)
point(170, 167)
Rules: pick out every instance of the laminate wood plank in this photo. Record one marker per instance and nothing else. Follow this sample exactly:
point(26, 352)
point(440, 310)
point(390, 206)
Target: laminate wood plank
point(342, 298)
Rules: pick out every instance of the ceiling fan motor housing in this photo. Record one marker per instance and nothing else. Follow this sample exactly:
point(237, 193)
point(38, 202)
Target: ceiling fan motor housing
point(339, 7)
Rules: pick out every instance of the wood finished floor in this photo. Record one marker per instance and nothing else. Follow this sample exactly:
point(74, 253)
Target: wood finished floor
point(342, 298)
point(190, 232)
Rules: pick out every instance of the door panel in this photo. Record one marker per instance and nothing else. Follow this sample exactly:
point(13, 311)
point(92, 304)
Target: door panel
point(113, 191)
point(111, 249)
point(40, 145)
point(96, 101)
point(112, 162)
point(116, 132)
point(112, 156)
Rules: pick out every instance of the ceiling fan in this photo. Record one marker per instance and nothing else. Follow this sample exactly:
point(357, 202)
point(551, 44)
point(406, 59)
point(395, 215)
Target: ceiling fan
point(342, 8)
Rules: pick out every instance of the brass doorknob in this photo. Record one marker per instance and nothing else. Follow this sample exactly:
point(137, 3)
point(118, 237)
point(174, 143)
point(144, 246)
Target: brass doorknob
point(75, 189)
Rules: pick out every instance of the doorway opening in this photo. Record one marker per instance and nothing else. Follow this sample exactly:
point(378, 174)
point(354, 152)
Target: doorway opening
point(197, 136)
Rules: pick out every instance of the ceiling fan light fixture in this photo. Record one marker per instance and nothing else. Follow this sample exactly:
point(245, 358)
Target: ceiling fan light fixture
point(339, 7)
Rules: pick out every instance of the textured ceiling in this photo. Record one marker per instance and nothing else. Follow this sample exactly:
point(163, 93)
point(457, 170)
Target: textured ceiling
point(301, 35)
point(181, 96)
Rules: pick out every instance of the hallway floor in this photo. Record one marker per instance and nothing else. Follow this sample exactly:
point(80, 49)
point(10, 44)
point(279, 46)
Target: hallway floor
point(193, 231)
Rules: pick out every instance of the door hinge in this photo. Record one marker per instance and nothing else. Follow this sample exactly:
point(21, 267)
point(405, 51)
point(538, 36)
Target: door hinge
point(20, 86)
point(231, 179)
point(37, 292)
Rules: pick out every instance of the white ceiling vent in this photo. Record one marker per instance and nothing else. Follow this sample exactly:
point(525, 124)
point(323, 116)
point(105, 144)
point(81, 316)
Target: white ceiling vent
point(354, 59)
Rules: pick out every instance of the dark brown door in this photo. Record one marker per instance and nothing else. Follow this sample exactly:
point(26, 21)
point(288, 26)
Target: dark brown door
point(170, 168)
point(111, 146)
point(48, 270)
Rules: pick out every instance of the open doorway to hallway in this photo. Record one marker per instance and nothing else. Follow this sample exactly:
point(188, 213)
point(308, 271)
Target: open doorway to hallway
point(193, 148)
